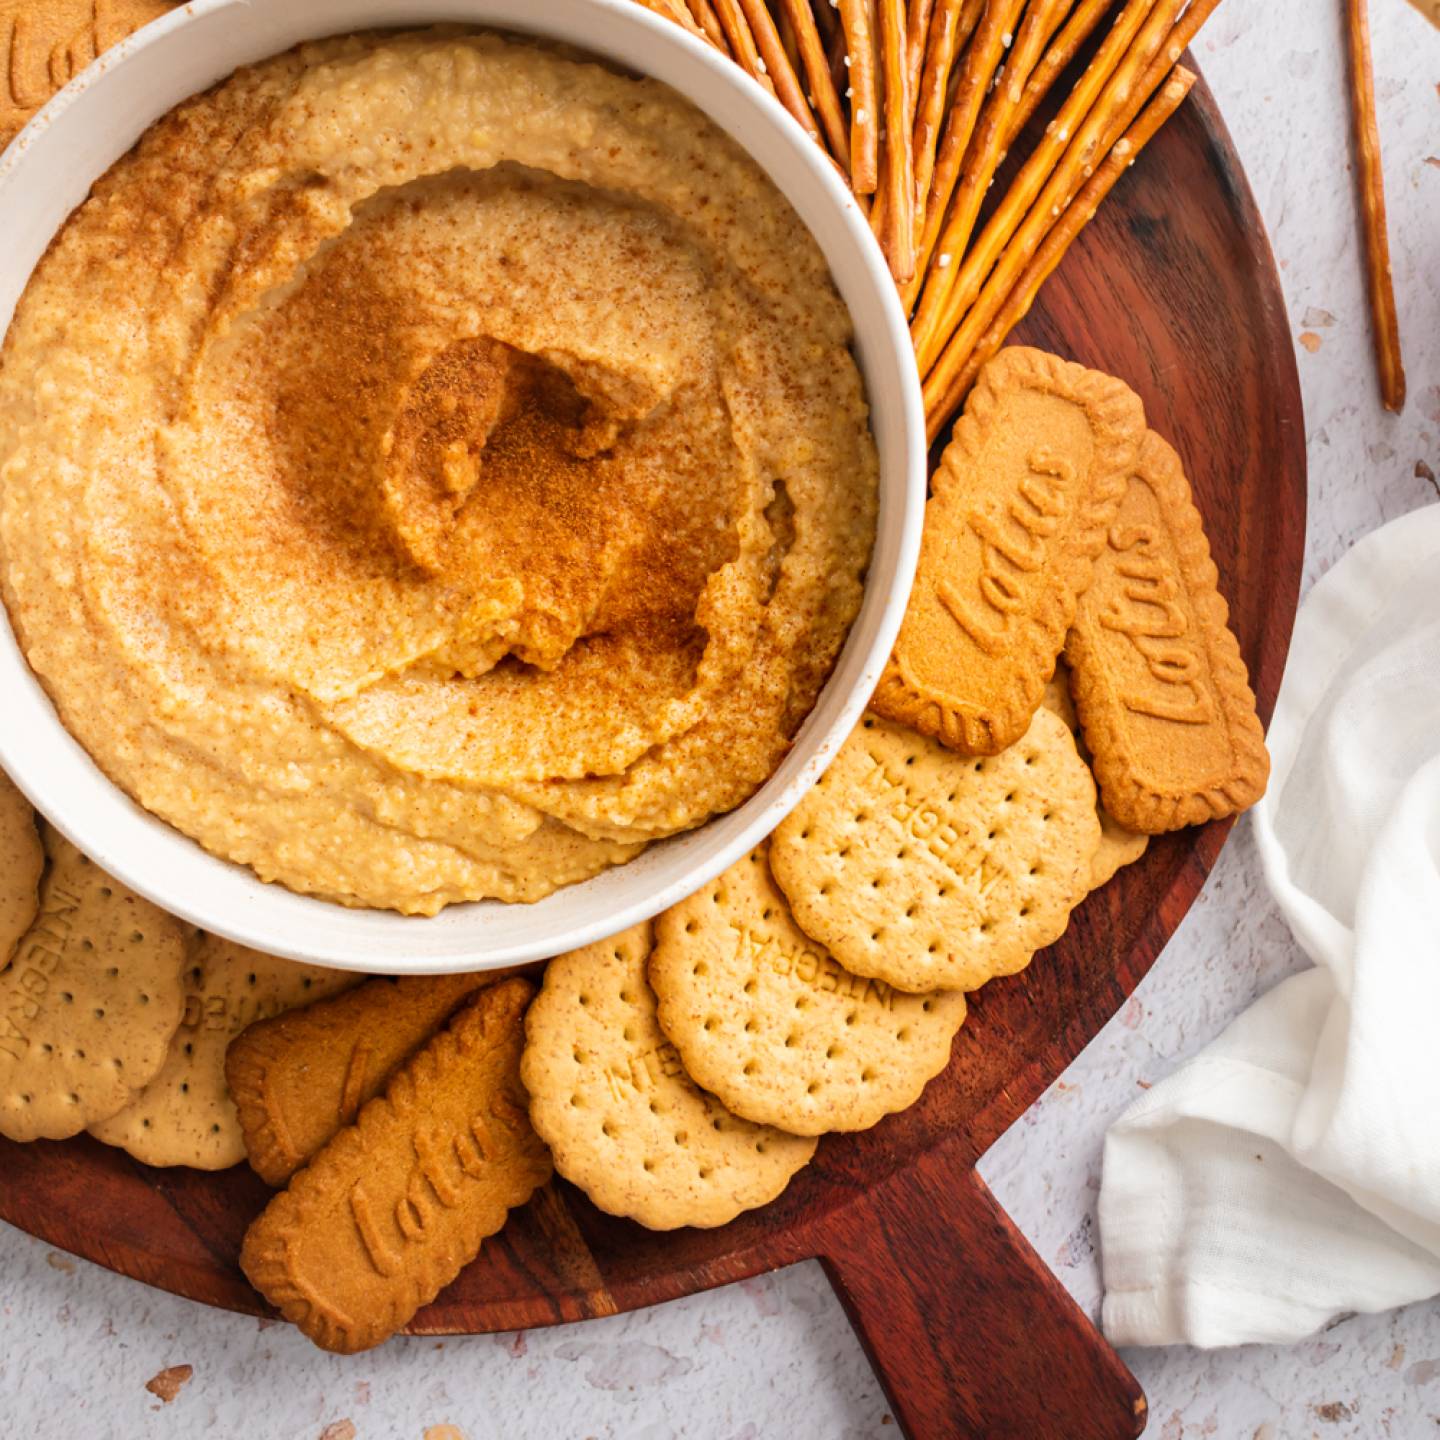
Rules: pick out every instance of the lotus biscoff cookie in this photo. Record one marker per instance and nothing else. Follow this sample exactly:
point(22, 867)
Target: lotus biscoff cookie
point(1018, 511)
point(185, 1115)
point(89, 1002)
point(609, 1095)
point(396, 1205)
point(764, 1018)
point(300, 1078)
point(1159, 684)
point(22, 861)
point(930, 870)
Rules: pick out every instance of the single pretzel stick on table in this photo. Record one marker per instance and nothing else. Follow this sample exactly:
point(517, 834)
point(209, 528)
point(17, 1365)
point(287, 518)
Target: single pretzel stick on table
point(943, 400)
point(983, 159)
point(1380, 282)
point(856, 18)
point(982, 59)
point(1074, 139)
point(1066, 45)
point(775, 63)
point(823, 94)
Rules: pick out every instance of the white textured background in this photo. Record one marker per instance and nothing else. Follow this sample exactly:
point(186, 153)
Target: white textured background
point(775, 1357)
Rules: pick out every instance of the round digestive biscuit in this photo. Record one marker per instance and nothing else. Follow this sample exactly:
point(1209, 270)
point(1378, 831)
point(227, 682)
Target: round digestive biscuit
point(777, 1028)
point(22, 860)
point(1119, 847)
point(185, 1115)
point(88, 1003)
point(932, 870)
point(627, 1125)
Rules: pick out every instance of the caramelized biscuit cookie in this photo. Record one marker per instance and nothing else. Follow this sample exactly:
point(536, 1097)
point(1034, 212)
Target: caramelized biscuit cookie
point(1018, 510)
point(395, 1206)
point(1159, 684)
point(298, 1079)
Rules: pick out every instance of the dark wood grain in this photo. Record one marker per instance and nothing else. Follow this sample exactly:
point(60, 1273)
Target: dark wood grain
point(1173, 288)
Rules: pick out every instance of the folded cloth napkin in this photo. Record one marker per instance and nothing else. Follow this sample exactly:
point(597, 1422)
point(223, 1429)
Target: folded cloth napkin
point(1290, 1172)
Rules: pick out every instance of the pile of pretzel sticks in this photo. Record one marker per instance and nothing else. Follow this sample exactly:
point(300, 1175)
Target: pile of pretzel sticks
point(919, 102)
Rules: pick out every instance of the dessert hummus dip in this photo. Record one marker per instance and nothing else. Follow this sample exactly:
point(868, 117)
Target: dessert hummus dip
point(432, 467)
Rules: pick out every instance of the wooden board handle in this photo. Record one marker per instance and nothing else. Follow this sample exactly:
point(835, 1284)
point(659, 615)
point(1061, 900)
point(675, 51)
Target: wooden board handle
point(970, 1333)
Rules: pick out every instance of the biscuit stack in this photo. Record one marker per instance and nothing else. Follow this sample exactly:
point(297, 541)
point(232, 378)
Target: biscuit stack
point(681, 1072)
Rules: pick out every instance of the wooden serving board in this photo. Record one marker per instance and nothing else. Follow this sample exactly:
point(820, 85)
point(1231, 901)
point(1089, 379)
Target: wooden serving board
point(1174, 289)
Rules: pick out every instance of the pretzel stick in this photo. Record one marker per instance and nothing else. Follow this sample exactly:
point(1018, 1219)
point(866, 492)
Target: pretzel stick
point(982, 59)
point(676, 11)
point(981, 163)
point(788, 40)
point(855, 18)
point(1003, 304)
point(742, 42)
point(709, 22)
point(1052, 151)
point(917, 30)
point(823, 94)
point(775, 63)
point(1380, 282)
point(897, 225)
point(1179, 41)
point(951, 27)
point(1078, 29)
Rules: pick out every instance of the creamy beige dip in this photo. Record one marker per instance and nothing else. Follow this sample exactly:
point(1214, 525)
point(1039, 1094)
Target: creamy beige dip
point(431, 468)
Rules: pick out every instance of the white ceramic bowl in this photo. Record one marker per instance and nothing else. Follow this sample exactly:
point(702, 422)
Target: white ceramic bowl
point(49, 170)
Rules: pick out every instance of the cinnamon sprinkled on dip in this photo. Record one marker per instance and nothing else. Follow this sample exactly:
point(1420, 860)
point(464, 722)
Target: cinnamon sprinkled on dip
point(433, 467)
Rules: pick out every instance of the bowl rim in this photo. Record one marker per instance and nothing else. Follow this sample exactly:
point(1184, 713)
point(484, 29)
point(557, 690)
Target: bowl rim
point(58, 775)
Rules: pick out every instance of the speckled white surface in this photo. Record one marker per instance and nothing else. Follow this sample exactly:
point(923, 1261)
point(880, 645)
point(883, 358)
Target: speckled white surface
point(775, 1357)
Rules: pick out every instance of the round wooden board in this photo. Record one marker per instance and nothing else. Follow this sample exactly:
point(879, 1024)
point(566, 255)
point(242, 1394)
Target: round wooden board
point(1173, 288)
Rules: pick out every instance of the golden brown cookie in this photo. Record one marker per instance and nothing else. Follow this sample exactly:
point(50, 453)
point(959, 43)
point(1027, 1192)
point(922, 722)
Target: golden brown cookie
point(777, 1028)
point(45, 44)
point(1018, 511)
point(626, 1124)
point(300, 1078)
point(185, 1115)
point(396, 1205)
point(88, 1004)
point(22, 861)
point(1118, 848)
point(933, 871)
point(1161, 690)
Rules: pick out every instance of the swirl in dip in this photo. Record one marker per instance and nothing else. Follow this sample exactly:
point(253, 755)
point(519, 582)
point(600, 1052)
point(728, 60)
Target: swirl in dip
point(433, 467)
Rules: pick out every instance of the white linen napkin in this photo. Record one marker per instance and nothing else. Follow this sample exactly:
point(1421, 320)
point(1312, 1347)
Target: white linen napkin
point(1290, 1172)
